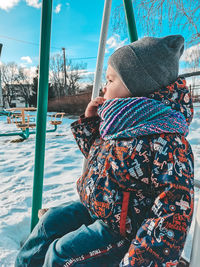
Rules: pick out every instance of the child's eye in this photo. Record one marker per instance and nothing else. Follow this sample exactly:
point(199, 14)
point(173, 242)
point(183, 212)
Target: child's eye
point(108, 81)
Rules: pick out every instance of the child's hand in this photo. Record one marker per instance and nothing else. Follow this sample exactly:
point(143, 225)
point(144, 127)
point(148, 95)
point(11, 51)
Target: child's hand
point(91, 109)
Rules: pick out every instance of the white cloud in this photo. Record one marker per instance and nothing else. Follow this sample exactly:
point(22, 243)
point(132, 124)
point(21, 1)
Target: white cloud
point(191, 54)
point(30, 72)
point(34, 3)
point(86, 73)
point(58, 8)
point(114, 42)
point(82, 72)
point(27, 59)
point(8, 4)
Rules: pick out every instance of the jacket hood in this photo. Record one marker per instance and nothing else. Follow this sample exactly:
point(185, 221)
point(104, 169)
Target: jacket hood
point(177, 96)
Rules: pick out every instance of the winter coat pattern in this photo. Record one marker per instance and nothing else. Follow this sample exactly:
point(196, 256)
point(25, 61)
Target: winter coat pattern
point(141, 187)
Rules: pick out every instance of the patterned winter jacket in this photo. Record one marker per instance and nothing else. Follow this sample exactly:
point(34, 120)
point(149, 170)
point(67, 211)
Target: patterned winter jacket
point(141, 187)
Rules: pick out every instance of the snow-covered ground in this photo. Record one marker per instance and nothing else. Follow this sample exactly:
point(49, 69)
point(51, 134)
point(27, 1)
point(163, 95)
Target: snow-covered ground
point(63, 165)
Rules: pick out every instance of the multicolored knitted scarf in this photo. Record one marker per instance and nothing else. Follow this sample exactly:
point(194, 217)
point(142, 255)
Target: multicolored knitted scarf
point(138, 116)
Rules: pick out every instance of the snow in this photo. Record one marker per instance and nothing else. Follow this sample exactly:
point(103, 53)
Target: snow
point(63, 165)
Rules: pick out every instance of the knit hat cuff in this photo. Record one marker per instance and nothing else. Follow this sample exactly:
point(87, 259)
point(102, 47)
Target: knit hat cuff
point(141, 84)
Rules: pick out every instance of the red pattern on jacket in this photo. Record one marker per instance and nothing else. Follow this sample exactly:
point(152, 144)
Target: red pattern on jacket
point(158, 172)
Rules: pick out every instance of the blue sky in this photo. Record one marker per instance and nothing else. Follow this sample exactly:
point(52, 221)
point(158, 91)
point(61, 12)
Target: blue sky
point(76, 26)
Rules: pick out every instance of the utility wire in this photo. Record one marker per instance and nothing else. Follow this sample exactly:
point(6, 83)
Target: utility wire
point(36, 44)
point(25, 42)
point(78, 58)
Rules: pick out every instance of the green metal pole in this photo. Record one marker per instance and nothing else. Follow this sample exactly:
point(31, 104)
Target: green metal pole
point(42, 103)
point(130, 19)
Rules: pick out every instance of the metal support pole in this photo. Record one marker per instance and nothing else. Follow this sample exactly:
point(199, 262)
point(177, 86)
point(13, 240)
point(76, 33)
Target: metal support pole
point(100, 56)
point(101, 50)
point(130, 19)
point(42, 103)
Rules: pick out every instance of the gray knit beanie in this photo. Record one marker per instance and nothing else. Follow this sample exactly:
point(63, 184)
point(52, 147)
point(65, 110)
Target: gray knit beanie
point(148, 64)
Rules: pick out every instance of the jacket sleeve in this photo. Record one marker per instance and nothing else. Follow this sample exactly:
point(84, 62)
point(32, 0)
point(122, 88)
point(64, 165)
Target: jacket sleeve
point(160, 239)
point(85, 131)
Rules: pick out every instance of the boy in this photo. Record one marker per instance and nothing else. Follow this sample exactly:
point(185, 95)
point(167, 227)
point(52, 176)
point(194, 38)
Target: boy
point(136, 195)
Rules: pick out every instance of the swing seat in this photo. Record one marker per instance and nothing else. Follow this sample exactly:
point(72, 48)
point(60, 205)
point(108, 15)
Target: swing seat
point(21, 125)
point(26, 125)
point(56, 119)
point(55, 122)
point(32, 125)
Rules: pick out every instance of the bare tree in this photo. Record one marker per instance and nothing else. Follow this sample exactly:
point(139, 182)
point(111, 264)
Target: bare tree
point(153, 15)
point(74, 76)
point(16, 83)
point(9, 74)
point(118, 21)
point(25, 87)
point(180, 14)
point(57, 76)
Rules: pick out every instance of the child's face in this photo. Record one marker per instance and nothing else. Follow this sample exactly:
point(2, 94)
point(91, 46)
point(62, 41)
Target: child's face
point(114, 87)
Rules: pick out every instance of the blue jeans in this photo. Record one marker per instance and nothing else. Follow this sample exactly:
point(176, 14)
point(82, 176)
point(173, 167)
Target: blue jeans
point(68, 236)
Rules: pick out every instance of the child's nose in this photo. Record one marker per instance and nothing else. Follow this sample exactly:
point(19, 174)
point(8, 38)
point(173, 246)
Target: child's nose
point(104, 89)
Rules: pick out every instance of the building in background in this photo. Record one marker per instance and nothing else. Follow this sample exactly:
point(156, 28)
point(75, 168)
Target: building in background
point(16, 95)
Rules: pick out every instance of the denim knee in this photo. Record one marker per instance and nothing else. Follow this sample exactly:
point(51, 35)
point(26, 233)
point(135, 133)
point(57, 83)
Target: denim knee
point(55, 223)
point(93, 245)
